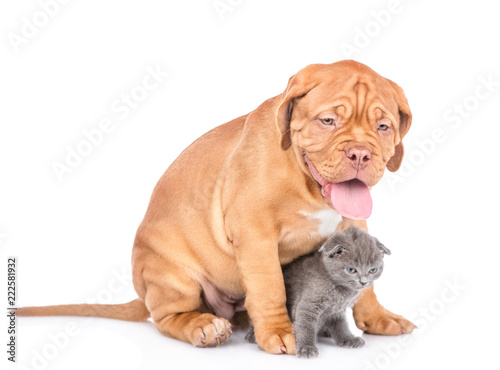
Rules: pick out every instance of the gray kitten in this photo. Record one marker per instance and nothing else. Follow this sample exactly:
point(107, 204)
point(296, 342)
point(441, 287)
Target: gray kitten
point(321, 285)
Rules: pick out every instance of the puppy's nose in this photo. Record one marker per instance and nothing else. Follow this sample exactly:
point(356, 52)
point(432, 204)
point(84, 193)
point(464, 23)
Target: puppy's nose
point(359, 156)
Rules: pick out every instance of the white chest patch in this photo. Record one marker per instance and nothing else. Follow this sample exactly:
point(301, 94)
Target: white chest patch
point(328, 221)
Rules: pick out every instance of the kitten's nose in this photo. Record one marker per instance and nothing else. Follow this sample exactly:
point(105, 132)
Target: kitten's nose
point(363, 283)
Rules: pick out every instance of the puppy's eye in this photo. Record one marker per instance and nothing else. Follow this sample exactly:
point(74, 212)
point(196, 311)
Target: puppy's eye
point(328, 121)
point(373, 270)
point(351, 270)
point(383, 127)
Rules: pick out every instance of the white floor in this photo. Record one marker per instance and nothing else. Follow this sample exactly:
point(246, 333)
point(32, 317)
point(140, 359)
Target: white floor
point(81, 343)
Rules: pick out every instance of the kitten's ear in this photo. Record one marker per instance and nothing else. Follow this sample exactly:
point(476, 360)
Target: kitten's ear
point(382, 247)
point(332, 252)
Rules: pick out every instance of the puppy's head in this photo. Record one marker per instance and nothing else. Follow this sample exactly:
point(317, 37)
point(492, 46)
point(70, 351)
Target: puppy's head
point(344, 123)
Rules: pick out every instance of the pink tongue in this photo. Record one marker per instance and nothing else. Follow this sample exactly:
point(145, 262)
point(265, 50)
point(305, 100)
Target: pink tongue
point(350, 198)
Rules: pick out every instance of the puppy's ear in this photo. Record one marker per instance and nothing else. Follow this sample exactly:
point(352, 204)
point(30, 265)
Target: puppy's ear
point(298, 86)
point(382, 247)
point(405, 118)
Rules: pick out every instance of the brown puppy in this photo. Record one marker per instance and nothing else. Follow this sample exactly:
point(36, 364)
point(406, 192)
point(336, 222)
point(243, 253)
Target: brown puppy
point(256, 193)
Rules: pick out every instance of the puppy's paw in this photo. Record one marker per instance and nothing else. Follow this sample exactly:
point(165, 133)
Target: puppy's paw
point(277, 341)
point(213, 333)
point(354, 342)
point(308, 351)
point(384, 322)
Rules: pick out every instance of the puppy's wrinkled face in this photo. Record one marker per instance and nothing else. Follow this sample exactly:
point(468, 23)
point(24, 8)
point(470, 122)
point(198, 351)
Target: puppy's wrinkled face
point(344, 123)
point(347, 128)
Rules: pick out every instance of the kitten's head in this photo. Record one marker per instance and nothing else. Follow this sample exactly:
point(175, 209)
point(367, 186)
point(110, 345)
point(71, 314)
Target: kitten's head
point(353, 258)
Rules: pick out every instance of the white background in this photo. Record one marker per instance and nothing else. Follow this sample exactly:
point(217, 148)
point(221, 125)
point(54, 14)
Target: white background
point(73, 236)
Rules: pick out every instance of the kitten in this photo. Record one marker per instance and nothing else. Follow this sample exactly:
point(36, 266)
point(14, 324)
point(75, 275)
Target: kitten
point(321, 285)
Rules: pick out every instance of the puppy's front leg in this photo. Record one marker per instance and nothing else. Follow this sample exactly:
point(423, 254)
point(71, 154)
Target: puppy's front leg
point(257, 258)
point(369, 315)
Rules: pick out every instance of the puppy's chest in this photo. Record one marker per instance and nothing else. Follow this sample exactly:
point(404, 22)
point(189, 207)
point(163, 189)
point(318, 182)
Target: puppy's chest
point(304, 230)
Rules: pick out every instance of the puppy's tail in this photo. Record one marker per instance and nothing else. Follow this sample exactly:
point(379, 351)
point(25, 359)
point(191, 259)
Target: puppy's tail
point(131, 311)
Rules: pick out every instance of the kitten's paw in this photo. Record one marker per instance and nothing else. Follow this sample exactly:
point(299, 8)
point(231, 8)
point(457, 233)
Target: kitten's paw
point(354, 342)
point(309, 351)
point(250, 336)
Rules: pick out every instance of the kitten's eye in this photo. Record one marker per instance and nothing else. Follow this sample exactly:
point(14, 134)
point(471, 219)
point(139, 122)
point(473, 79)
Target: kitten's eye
point(351, 270)
point(373, 270)
point(328, 121)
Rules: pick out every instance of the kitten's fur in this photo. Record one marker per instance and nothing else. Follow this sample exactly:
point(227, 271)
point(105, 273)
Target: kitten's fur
point(319, 288)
